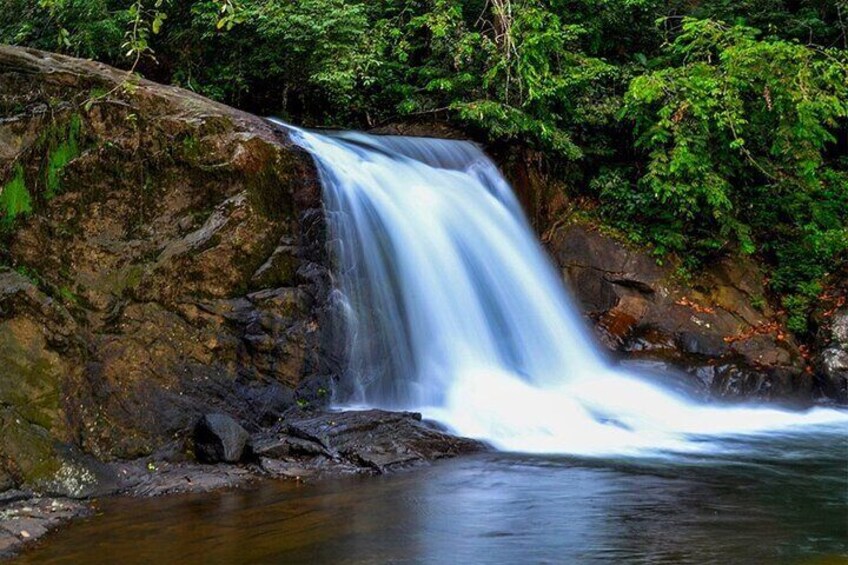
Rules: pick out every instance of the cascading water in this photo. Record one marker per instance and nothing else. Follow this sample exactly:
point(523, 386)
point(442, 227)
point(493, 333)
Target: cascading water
point(455, 311)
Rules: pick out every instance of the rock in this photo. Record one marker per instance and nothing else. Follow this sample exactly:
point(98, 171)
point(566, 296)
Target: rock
point(7, 483)
point(315, 392)
point(28, 519)
point(380, 441)
point(145, 478)
point(288, 446)
point(286, 469)
point(832, 359)
point(178, 269)
point(708, 326)
point(220, 439)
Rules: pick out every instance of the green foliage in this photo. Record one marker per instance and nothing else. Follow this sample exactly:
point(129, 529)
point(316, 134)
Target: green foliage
point(739, 126)
point(144, 21)
point(15, 199)
point(736, 132)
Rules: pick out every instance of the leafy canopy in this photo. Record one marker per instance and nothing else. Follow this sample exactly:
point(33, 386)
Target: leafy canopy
point(701, 128)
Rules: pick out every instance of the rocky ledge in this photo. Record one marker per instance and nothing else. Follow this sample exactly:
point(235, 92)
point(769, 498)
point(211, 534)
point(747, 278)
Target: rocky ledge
point(302, 446)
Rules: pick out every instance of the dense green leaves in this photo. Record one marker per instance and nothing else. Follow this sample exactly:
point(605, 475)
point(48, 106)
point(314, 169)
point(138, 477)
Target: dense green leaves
point(737, 130)
point(701, 128)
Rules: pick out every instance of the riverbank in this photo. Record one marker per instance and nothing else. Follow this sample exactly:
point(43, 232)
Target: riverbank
point(760, 507)
point(306, 447)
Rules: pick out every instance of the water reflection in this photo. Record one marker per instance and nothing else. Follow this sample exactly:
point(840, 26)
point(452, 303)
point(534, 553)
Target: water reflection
point(494, 509)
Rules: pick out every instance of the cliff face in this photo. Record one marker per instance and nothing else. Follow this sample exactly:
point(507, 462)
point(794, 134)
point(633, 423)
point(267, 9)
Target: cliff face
point(162, 257)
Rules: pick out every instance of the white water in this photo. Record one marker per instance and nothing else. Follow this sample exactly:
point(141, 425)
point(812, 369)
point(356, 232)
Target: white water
point(454, 310)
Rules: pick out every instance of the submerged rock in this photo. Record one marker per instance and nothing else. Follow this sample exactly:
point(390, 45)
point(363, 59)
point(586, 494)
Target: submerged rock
point(220, 439)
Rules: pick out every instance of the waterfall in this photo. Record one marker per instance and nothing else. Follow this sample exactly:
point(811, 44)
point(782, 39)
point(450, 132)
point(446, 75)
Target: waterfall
point(454, 310)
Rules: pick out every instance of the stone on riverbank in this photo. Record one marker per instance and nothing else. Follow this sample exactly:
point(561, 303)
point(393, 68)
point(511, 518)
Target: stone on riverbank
point(220, 439)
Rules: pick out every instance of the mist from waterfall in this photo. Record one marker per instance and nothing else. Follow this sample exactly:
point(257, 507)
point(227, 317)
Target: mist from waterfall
point(454, 310)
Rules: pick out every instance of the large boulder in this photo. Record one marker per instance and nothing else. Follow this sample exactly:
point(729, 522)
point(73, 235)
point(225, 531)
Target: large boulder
point(161, 257)
point(717, 326)
point(372, 440)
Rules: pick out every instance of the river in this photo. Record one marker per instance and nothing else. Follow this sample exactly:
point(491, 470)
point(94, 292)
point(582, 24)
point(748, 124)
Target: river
point(787, 504)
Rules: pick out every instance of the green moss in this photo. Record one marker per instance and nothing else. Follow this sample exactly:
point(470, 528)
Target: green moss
point(265, 191)
point(31, 373)
point(190, 149)
point(28, 449)
point(60, 145)
point(68, 295)
point(35, 459)
point(58, 158)
point(119, 282)
point(133, 276)
point(15, 199)
point(97, 92)
point(30, 273)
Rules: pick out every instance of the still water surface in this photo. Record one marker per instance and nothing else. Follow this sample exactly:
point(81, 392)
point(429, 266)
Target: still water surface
point(787, 504)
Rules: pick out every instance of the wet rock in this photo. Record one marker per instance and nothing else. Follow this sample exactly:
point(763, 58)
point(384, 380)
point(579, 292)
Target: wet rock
point(26, 520)
point(289, 446)
point(148, 478)
point(716, 327)
point(380, 441)
point(36, 461)
point(268, 403)
point(315, 392)
point(832, 360)
point(178, 270)
point(220, 439)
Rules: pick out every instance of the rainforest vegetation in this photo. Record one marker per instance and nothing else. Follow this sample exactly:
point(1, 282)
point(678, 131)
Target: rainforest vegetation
point(700, 127)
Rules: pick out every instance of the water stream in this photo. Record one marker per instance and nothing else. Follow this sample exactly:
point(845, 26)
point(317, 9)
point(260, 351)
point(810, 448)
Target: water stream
point(454, 310)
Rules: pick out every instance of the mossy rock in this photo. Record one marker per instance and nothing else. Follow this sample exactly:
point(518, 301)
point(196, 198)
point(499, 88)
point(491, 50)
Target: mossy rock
point(36, 461)
point(147, 206)
point(31, 376)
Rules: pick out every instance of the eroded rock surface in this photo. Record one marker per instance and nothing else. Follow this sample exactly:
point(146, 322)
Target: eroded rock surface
point(370, 440)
